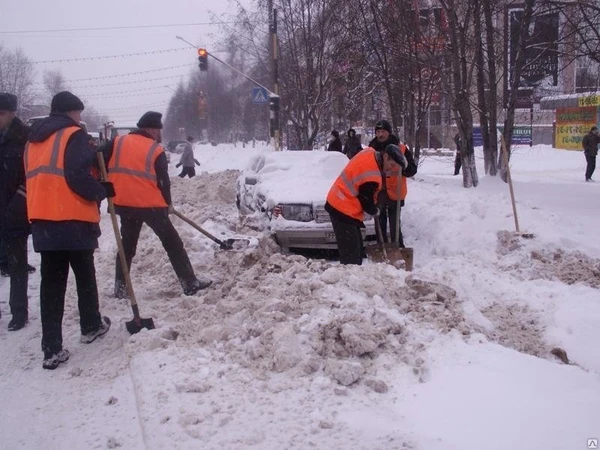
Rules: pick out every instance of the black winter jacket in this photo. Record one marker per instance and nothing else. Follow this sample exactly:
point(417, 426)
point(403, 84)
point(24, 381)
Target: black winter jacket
point(590, 144)
point(79, 160)
point(13, 204)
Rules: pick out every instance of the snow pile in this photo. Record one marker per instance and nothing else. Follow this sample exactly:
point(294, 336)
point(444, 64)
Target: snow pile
point(288, 352)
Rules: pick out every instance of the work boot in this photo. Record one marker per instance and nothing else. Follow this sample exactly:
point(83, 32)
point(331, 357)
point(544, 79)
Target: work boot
point(17, 323)
point(195, 286)
point(53, 360)
point(90, 337)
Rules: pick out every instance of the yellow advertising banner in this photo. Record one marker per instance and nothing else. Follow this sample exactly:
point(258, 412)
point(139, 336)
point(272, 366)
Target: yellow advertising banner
point(572, 124)
point(590, 100)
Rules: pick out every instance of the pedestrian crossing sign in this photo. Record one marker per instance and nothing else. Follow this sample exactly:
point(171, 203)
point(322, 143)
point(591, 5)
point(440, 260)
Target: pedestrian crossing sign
point(260, 96)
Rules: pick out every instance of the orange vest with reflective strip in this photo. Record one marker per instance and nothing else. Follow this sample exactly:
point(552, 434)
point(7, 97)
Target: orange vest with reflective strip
point(391, 181)
point(48, 195)
point(343, 194)
point(131, 170)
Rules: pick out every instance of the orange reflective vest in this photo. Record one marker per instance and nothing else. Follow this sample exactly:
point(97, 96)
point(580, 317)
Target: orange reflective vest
point(131, 170)
point(343, 194)
point(48, 195)
point(391, 181)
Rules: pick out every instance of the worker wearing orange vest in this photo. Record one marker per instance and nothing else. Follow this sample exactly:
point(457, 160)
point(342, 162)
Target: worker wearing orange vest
point(355, 192)
point(138, 168)
point(62, 205)
point(388, 197)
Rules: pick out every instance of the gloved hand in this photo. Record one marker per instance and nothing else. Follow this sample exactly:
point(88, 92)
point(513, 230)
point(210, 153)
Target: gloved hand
point(178, 165)
point(375, 213)
point(170, 208)
point(110, 189)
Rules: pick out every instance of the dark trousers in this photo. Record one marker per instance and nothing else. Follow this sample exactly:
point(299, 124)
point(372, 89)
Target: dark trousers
point(55, 272)
point(389, 211)
point(159, 222)
point(3, 257)
point(16, 252)
point(189, 171)
point(591, 166)
point(457, 163)
point(349, 241)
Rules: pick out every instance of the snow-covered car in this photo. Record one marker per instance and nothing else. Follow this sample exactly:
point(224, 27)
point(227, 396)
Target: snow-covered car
point(290, 188)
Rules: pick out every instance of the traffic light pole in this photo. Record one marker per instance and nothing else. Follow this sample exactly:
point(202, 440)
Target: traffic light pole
point(232, 68)
point(275, 105)
point(273, 95)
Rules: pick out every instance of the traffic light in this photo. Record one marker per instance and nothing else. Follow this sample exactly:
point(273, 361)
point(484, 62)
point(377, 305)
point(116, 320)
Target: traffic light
point(203, 59)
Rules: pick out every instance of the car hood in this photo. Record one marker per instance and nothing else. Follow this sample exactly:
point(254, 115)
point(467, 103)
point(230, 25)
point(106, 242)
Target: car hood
point(294, 176)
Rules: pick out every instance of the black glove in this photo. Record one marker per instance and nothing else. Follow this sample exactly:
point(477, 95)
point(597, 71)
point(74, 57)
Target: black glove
point(177, 165)
point(110, 189)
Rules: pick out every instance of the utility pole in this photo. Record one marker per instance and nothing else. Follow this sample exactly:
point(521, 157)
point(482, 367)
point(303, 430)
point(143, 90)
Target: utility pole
point(274, 103)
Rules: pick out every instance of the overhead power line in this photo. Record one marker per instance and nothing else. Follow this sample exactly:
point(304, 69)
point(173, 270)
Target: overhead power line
point(161, 69)
point(125, 27)
point(92, 58)
point(128, 82)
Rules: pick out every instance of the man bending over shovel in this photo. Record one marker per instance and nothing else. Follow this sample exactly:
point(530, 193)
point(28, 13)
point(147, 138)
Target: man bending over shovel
point(138, 169)
point(355, 192)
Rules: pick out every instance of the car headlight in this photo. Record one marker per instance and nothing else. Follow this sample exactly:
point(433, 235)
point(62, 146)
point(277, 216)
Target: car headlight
point(299, 213)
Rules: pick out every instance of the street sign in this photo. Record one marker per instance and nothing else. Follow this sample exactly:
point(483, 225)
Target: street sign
point(260, 96)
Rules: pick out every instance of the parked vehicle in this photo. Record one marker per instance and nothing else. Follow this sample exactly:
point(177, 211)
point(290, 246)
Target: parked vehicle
point(29, 122)
point(290, 189)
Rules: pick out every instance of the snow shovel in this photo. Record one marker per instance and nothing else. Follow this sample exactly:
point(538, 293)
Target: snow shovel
point(135, 325)
point(391, 252)
point(227, 244)
point(512, 192)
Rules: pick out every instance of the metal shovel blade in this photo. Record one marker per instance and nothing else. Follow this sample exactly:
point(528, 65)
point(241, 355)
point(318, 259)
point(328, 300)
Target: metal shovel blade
point(401, 258)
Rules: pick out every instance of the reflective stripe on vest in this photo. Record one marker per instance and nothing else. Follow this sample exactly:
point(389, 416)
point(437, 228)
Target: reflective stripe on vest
point(344, 191)
point(131, 170)
point(48, 194)
point(391, 181)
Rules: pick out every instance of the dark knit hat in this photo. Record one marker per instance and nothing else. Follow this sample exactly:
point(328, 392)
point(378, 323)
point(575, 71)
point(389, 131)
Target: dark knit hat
point(64, 102)
point(8, 102)
point(150, 119)
point(335, 134)
point(383, 125)
point(394, 152)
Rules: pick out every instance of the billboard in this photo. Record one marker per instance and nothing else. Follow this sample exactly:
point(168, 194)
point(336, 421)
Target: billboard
point(541, 54)
point(572, 124)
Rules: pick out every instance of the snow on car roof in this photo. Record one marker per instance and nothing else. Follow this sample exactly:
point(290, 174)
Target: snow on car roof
point(297, 176)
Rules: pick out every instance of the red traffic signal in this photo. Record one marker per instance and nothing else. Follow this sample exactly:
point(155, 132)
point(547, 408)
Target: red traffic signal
point(202, 59)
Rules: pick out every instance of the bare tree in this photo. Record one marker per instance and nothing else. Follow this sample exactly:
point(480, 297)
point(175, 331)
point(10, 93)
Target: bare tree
point(16, 76)
point(54, 82)
point(461, 39)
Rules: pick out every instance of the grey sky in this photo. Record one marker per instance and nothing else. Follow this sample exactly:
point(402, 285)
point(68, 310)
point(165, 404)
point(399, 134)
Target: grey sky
point(134, 94)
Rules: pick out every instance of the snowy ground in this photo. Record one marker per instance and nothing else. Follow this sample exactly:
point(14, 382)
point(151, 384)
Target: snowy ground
point(285, 352)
